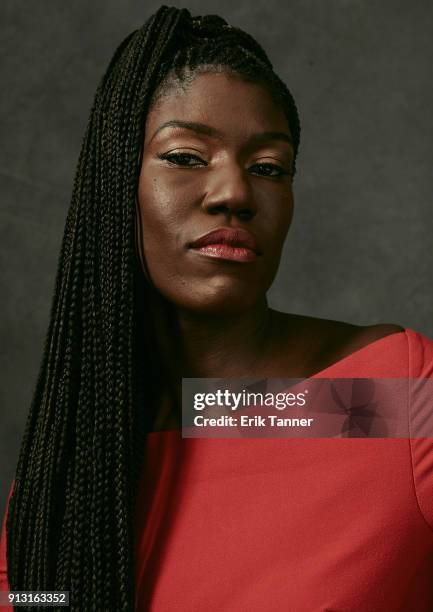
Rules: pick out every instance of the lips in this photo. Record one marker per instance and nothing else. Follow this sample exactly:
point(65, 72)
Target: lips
point(233, 237)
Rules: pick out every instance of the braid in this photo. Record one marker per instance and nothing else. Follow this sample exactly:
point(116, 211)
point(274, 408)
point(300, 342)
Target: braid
point(69, 524)
point(70, 518)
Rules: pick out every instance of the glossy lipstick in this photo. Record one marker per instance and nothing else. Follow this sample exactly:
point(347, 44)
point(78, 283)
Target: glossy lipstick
point(232, 244)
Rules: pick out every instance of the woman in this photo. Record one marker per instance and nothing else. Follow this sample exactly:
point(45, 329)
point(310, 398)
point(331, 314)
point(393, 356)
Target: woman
point(163, 274)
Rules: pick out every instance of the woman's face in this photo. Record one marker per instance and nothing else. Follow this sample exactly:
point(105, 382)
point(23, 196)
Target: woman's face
point(229, 169)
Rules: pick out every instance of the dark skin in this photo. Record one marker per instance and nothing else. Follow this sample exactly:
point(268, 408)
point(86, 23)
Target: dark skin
point(231, 177)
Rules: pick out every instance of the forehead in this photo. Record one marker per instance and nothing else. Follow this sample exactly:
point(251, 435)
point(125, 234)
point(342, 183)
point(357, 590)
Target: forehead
point(224, 101)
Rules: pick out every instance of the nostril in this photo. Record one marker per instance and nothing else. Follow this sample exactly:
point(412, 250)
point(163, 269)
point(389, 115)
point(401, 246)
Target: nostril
point(245, 214)
point(217, 209)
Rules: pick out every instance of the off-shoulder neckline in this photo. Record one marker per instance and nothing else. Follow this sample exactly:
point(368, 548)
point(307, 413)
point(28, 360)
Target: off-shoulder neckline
point(352, 355)
point(355, 353)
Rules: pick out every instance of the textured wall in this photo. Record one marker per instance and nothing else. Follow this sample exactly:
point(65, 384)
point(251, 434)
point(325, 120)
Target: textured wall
point(359, 248)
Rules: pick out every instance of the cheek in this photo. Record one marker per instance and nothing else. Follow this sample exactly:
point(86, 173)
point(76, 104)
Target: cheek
point(160, 217)
point(278, 223)
point(164, 215)
point(159, 232)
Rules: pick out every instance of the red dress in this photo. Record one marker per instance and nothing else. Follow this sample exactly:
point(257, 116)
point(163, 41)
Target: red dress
point(303, 525)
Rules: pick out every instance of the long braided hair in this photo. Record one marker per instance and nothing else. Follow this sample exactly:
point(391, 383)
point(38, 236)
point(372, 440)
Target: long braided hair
point(70, 518)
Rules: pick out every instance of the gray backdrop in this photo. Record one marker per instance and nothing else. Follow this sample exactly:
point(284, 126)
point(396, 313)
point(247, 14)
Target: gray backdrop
point(359, 249)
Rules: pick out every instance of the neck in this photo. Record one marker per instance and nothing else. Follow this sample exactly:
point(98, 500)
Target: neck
point(225, 346)
point(201, 345)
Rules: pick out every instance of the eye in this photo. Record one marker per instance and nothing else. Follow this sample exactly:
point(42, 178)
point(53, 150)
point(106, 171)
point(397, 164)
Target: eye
point(184, 159)
point(266, 169)
point(181, 159)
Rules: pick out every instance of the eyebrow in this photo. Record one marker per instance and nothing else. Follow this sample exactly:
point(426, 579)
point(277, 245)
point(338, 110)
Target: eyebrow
point(207, 130)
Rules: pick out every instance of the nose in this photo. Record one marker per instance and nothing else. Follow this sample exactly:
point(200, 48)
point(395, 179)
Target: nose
point(229, 191)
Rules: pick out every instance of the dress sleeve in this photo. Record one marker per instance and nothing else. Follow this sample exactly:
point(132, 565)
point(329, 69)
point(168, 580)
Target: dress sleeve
point(421, 420)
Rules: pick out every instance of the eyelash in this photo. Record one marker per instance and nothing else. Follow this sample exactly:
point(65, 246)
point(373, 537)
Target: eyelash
point(173, 156)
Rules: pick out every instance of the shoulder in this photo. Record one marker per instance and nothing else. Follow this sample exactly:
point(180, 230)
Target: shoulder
point(418, 346)
point(352, 338)
point(390, 356)
point(348, 337)
point(370, 333)
point(319, 343)
point(334, 339)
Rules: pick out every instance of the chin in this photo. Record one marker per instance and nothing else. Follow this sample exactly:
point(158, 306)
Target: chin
point(220, 295)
